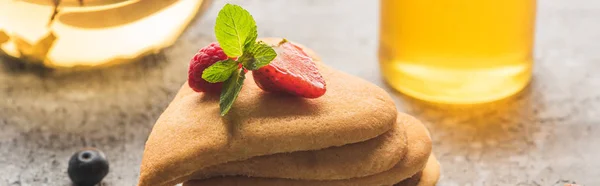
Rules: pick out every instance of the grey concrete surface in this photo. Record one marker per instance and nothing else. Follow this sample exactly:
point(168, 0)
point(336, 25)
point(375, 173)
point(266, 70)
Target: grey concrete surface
point(548, 134)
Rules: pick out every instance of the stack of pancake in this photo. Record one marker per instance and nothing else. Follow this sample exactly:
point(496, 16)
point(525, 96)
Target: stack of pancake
point(352, 135)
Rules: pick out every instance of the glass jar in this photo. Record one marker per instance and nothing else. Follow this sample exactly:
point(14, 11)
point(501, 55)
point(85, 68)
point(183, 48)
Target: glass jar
point(457, 51)
point(95, 33)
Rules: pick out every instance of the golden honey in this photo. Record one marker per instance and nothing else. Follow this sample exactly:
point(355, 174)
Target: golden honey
point(457, 51)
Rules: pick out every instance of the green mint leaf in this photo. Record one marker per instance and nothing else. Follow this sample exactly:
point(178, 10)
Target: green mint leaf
point(251, 40)
point(220, 71)
point(235, 30)
point(261, 54)
point(230, 91)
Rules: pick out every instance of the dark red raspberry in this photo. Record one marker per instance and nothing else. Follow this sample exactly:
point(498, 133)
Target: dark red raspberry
point(203, 59)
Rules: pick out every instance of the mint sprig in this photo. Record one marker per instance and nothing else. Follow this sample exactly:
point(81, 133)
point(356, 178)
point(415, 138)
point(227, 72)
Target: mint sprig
point(236, 32)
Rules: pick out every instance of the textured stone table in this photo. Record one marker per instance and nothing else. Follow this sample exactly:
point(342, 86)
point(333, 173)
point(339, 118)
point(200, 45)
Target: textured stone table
point(547, 135)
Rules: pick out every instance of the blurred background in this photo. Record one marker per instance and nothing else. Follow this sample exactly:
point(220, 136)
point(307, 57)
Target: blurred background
point(544, 135)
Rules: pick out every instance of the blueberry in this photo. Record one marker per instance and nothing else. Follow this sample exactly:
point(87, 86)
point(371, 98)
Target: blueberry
point(87, 167)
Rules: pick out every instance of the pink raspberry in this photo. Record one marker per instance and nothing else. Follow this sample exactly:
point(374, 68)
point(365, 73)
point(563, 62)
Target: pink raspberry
point(203, 59)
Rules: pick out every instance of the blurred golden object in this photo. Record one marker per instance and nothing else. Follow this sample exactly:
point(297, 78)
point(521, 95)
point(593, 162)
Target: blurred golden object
point(3, 37)
point(35, 52)
point(101, 32)
point(457, 51)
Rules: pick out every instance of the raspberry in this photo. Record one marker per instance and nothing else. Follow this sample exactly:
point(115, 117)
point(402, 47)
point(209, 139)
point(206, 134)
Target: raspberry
point(203, 59)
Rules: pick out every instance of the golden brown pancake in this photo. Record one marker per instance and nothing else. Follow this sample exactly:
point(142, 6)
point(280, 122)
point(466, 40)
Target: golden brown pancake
point(427, 177)
point(190, 135)
point(412, 181)
point(414, 161)
point(349, 161)
point(431, 173)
